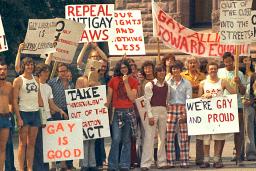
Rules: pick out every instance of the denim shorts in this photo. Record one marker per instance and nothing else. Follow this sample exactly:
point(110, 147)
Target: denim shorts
point(5, 120)
point(31, 118)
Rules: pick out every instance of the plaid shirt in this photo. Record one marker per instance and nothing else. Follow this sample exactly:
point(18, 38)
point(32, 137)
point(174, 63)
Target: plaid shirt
point(131, 118)
point(58, 92)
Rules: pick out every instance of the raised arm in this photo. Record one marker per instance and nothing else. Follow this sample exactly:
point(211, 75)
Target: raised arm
point(81, 55)
point(131, 93)
point(17, 60)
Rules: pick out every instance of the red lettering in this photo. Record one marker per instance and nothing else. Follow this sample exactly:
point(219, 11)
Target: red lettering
point(71, 11)
point(49, 130)
point(215, 118)
point(77, 152)
point(78, 7)
point(66, 153)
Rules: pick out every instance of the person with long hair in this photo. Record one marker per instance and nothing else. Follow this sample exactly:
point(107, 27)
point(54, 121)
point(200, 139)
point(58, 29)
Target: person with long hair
point(26, 102)
point(122, 91)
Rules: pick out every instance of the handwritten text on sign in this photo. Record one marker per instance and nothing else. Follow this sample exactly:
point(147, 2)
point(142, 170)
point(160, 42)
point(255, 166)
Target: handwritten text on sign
point(235, 25)
point(98, 20)
point(177, 36)
point(88, 104)
point(68, 34)
point(3, 43)
point(140, 103)
point(40, 36)
point(128, 34)
point(63, 140)
point(216, 115)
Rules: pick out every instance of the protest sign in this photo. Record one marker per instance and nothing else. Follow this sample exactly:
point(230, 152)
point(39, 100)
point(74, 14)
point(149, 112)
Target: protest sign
point(88, 104)
point(235, 27)
point(40, 36)
point(253, 26)
point(127, 34)
point(63, 140)
point(140, 103)
point(215, 116)
point(98, 20)
point(67, 35)
point(3, 43)
point(175, 35)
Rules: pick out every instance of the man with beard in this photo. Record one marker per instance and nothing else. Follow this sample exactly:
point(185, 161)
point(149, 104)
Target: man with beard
point(5, 117)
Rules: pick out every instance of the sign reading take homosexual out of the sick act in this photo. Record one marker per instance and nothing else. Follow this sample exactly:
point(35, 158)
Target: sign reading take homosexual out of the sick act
point(177, 36)
point(127, 34)
point(98, 20)
point(212, 116)
point(63, 140)
point(88, 104)
point(67, 36)
point(235, 22)
point(40, 36)
point(3, 43)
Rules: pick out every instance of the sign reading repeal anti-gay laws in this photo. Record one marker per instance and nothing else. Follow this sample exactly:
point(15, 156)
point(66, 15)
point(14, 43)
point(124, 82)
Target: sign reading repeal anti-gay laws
point(175, 35)
point(127, 34)
point(3, 43)
point(98, 20)
point(40, 36)
point(235, 24)
point(63, 140)
point(88, 104)
point(212, 116)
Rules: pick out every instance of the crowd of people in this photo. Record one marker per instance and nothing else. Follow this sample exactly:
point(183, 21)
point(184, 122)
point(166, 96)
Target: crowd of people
point(158, 138)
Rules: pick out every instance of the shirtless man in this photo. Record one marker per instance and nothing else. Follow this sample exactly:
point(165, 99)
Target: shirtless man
point(5, 118)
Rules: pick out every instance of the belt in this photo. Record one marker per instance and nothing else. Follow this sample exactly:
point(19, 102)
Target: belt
point(5, 115)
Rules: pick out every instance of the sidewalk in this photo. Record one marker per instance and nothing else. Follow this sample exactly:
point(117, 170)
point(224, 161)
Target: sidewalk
point(227, 156)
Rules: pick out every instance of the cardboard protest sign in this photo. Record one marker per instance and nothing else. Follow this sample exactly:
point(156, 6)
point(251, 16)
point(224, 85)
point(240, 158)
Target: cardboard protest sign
point(3, 43)
point(253, 26)
point(140, 103)
point(175, 35)
point(40, 36)
point(63, 140)
point(98, 20)
point(235, 27)
point(217, 115)
point(68, 34)
point(88, 104)
point(127, 34)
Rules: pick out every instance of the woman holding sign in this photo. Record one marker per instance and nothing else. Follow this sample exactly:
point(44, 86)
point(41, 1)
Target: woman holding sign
point(26, 102)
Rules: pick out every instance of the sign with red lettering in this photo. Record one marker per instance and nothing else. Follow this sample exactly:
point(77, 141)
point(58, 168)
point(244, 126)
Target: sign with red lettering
point(40, 36)
point(235, 24)
point(216, 116)
point(98, 20)
point(63, 140)
point(188, 41)
point(88, 104)
point(127, 34)
point(68, 34)
point(141, 106)
point(3, 43)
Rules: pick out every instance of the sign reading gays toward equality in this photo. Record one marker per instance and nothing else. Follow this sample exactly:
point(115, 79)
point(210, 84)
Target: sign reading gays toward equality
point(88, 104)
point(215, 116)
point(235, 25)
point(175, 35)
point(98, 20)
point(63, 140)
point(127, 34)
point(3, 43)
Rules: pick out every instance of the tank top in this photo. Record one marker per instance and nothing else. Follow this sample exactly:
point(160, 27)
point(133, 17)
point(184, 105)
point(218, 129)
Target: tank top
point(159, 95)
point(28, 95)
point(214, 88)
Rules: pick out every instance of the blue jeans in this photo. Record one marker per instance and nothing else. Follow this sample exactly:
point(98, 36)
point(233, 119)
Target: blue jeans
point(123, 135)
point(100, 154)
point(9, 159)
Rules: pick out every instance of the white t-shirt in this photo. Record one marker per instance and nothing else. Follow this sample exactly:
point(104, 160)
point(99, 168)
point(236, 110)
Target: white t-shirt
point(46, 93)
point(223, 73)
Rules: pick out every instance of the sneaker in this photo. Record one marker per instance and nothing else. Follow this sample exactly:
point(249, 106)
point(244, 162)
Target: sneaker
point(205, 165)
point(218, 165)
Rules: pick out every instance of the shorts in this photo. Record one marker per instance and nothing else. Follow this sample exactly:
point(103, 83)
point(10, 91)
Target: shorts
point(5, 120)
point(31, 118)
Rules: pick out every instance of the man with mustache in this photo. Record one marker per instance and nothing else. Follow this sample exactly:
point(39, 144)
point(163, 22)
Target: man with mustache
point(5, 106)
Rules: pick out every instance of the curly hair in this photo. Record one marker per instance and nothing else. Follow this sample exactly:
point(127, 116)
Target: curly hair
point(117, 69)
point(145, 64)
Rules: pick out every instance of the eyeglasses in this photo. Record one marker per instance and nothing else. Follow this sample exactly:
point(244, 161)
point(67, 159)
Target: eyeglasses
point(124, 67)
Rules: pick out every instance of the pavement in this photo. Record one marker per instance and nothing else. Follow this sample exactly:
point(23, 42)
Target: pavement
point(227, 156)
